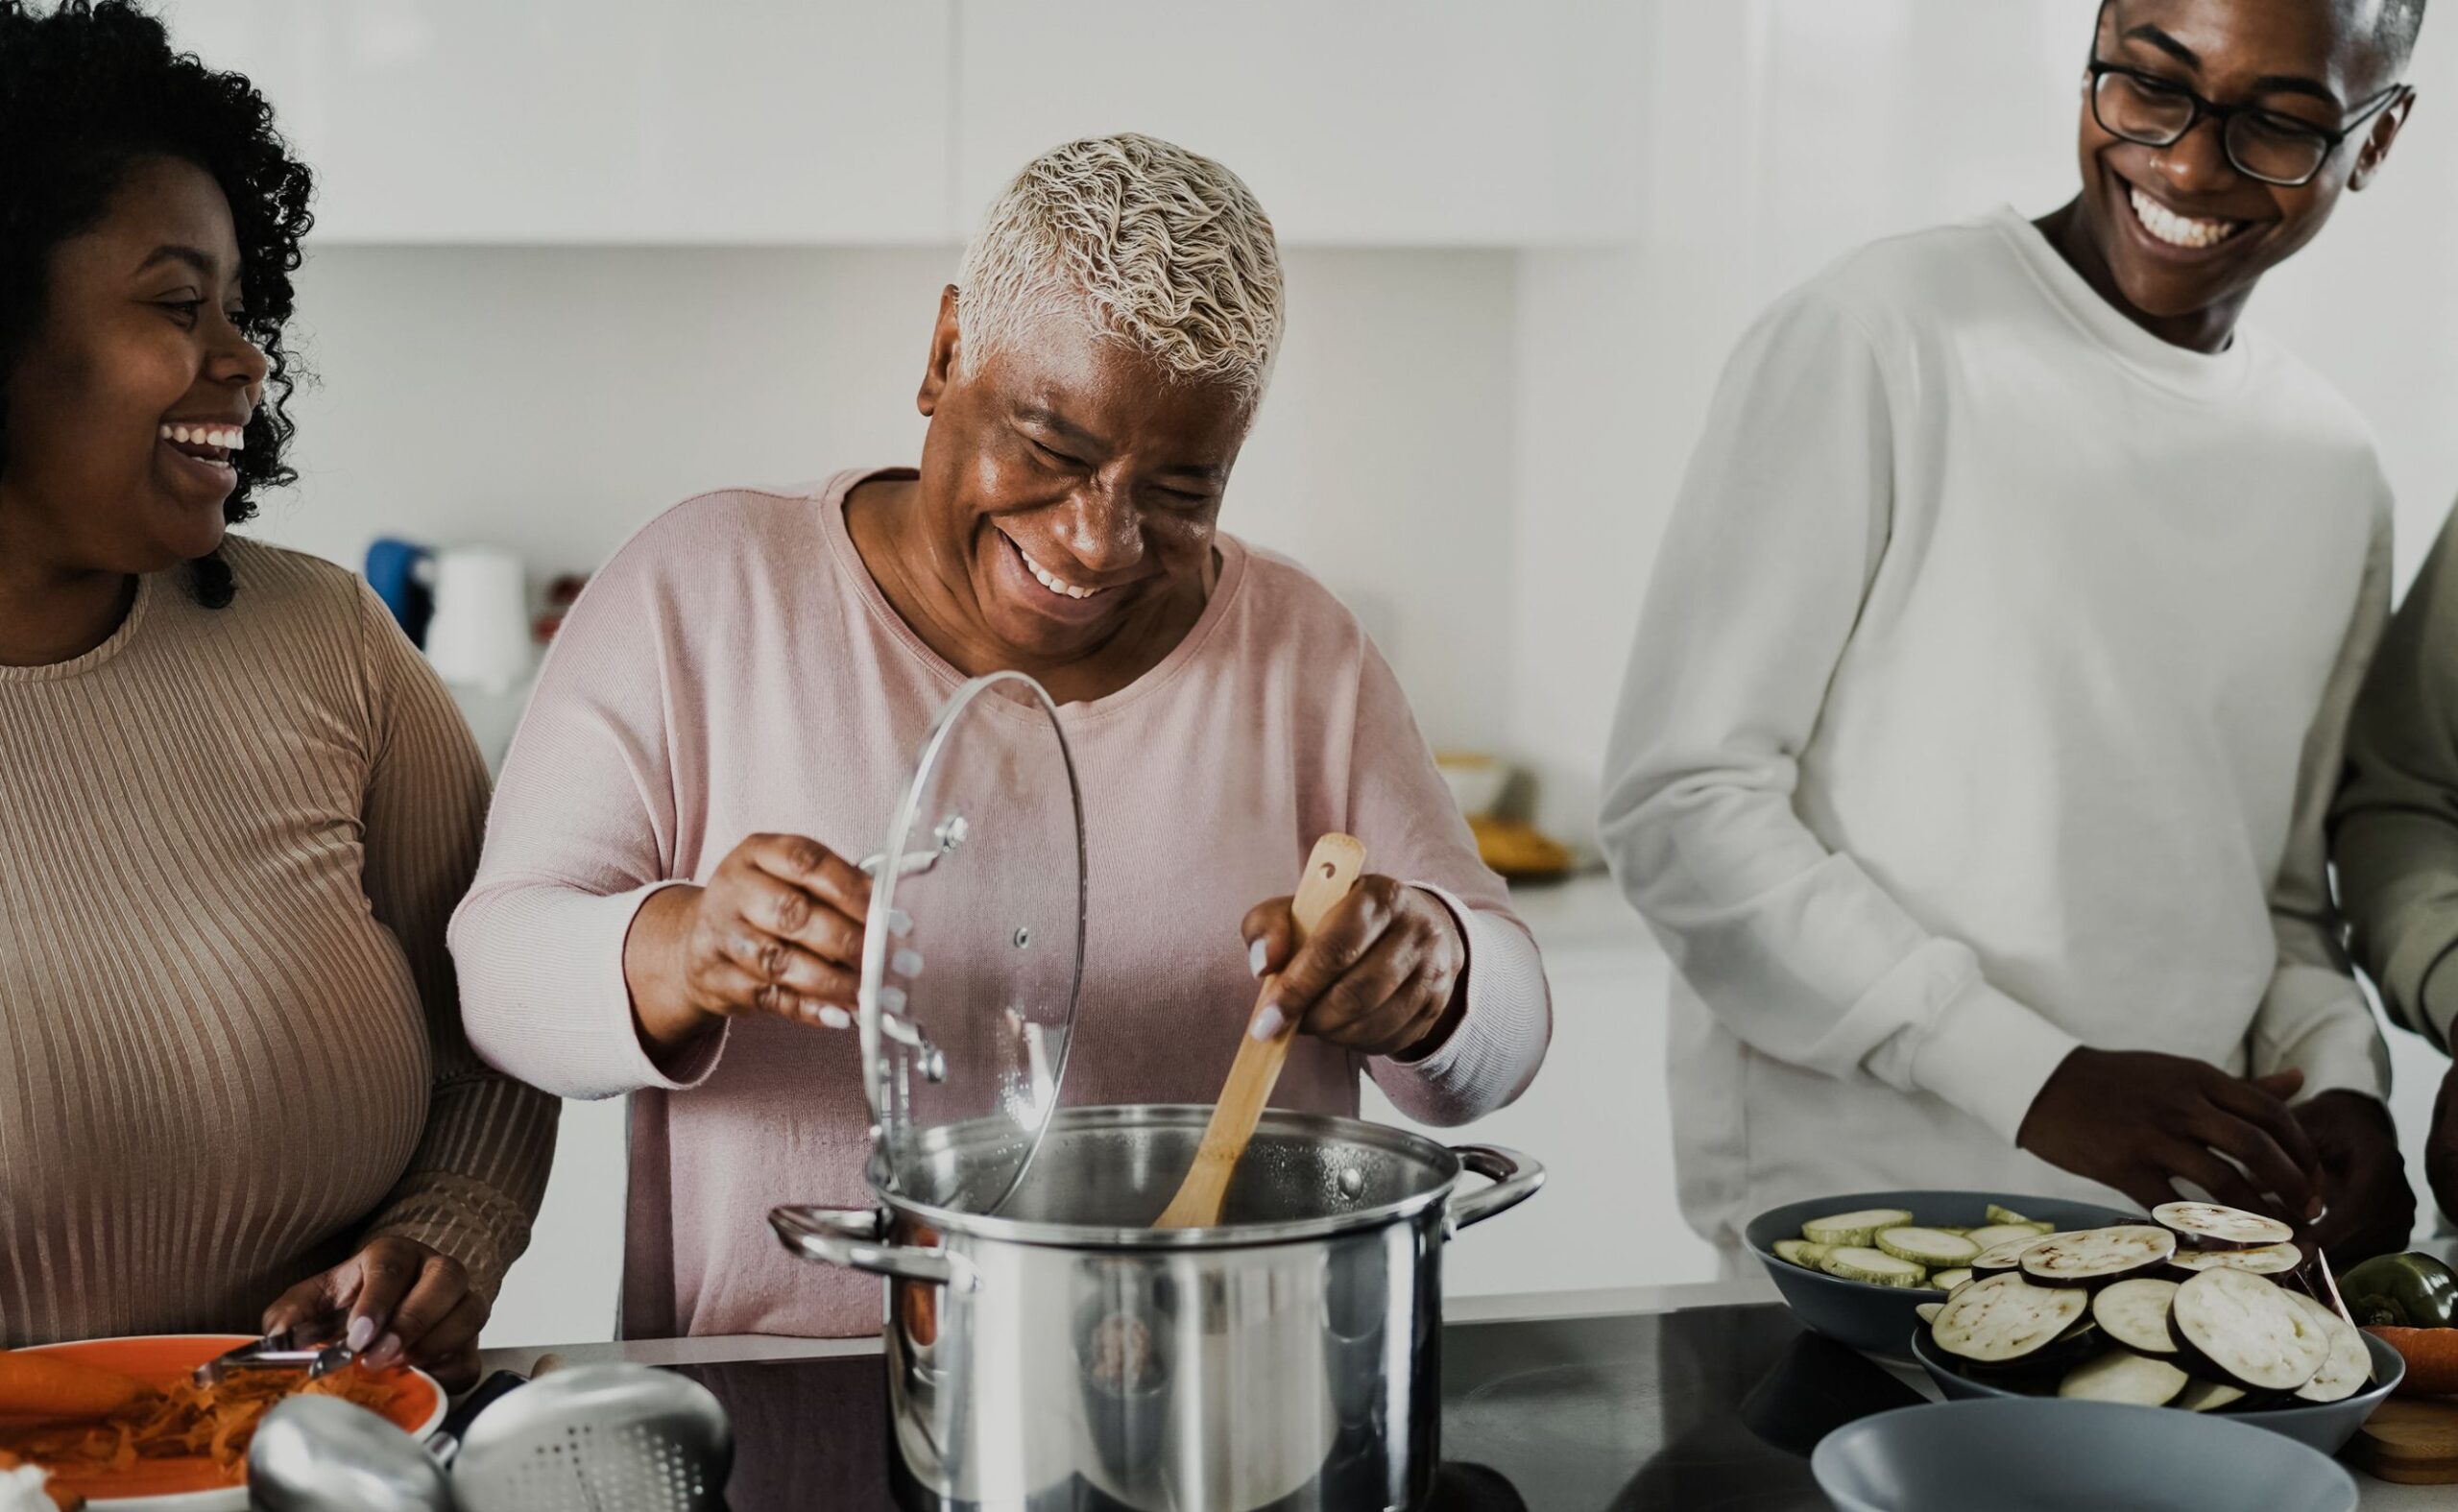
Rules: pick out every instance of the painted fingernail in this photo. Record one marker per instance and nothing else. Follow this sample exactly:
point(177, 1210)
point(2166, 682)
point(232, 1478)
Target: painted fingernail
point(835, 1018)
point(891, 1000)
point(1254, 958)
point(361, 1329)
point(906, 963)
point(900, 924)
point(386, 1354)
point(1268, 1023)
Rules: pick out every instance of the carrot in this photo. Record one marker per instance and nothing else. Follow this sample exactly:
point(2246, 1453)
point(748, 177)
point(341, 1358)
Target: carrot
point(2431, 1355)
point(45, 1387)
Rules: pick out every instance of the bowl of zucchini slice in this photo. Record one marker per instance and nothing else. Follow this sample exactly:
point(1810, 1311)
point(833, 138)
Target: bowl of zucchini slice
point(2206, 1310)
point(1855, 1268)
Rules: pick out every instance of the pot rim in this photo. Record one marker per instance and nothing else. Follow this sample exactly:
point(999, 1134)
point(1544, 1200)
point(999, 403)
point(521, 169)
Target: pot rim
point(1229, 1235)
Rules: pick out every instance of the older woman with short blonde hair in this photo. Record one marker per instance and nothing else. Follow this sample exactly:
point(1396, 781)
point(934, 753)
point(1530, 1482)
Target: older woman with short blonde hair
point(665, 907)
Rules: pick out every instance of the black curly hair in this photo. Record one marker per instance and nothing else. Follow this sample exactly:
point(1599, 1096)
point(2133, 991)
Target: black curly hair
point(89, 89)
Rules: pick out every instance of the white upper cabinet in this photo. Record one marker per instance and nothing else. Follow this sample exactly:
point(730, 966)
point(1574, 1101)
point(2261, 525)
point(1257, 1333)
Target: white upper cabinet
point(887, 122)
point(758, 121)
point(1384, 122)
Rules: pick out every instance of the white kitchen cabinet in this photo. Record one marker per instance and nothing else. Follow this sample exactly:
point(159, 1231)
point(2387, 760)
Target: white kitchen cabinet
point(1387, 121)
point(1595, 1117)
point(805, 122)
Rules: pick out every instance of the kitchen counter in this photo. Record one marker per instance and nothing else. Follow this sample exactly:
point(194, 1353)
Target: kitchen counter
point(1699, 1398)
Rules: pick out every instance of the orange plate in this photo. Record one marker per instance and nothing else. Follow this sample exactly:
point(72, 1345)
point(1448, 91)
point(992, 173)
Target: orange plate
point(416, 1406)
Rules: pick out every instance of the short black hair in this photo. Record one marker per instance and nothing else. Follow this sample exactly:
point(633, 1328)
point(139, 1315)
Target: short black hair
point(90, 88)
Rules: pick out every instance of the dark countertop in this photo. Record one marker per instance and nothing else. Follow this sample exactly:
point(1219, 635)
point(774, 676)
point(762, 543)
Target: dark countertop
point(1704, 1399)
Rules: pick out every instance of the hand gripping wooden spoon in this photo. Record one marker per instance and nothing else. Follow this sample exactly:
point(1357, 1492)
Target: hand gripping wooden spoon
point(1329, 872)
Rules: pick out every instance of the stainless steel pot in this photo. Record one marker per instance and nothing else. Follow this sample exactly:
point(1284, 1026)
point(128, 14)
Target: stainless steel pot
point(1063, 1353)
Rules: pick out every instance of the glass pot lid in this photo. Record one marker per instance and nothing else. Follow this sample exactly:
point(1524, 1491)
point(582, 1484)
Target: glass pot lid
point(974, 950)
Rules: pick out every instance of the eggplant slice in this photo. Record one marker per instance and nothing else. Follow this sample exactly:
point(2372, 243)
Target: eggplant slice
point(2098, 1256)
point(2135, 1313)
point(2006, 1318)
point(2209, 1395)
point(2209, 1226)
point(2349, 1368)
point(2248, 1331)
point(2123, 1376)
point(2267, 1259)
point(2003, 1257)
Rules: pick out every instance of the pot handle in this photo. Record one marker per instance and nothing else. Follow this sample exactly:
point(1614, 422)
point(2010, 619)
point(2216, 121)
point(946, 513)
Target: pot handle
point(850, 1237)
point(1515, 1176)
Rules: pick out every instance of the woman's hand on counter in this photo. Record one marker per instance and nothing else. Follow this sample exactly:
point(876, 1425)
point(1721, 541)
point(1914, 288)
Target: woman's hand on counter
point(396, 1302)
point(2138, 1121)
point(1382, 976)
point(777, 929)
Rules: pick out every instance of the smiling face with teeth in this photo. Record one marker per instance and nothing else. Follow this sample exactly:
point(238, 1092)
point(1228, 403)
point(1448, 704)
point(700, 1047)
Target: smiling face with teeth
point(2176, 236)
point(1064, 519)
point(130, 399)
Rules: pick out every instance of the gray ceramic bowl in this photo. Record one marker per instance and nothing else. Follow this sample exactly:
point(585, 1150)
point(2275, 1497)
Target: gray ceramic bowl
point(2326, 1428)
point(2028, 1451)
point(1880, 1319)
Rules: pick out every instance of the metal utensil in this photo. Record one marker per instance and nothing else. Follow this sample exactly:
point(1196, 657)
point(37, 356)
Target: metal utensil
point(599, 1438)
point(288, 1350)
point(324, 1455)
point(1329, 872)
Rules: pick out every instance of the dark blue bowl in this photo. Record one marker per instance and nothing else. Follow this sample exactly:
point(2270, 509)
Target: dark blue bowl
point(1880, 1319)
point(2325, 1426)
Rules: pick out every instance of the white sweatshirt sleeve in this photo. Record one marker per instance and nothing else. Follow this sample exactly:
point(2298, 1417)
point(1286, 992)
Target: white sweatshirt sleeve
point(1794, 948)
point(2314, 1017)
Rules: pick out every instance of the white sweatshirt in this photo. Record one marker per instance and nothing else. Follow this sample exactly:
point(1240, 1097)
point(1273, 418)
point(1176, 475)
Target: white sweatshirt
point(1987, 702)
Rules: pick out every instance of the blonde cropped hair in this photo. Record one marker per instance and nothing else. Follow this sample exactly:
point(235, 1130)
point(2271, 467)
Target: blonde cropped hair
point(1154, 244)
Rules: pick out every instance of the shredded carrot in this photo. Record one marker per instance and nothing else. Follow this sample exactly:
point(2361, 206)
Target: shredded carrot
point(183, 1419)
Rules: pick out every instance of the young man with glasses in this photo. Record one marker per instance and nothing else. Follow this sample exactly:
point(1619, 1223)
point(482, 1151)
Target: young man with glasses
point(1990, 692)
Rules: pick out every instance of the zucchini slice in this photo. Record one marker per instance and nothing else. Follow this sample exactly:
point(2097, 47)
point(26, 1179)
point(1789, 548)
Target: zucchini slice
point(2135, 1314)
point(2122, 1376)
point(2098, 1256)
point(1926, 1246)
point(1997, 1233)
point(1998, 1214)
point(1859, 1263)
point(2268, 1259)
point(2207, 1396)
point(1999, 1259)
point(2210, 1226)
point(1853, 1228)
point(2005, 1318)
point(2248, 1331)
point(2349, 1368)
point(1801, 1251)
point(1951, 1279)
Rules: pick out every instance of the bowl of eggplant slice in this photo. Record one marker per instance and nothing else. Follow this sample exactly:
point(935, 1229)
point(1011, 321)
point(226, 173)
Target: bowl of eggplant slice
point(2206, 1310)
point(1855, 1268)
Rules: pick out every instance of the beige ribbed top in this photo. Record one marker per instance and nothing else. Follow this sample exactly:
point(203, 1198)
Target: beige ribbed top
point(230, 1038)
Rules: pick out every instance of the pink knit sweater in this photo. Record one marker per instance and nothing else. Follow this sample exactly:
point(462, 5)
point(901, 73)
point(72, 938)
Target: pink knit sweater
point(735, 670)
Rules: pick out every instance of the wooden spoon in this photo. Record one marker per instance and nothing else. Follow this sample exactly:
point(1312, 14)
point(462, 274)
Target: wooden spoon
point(1329, 872)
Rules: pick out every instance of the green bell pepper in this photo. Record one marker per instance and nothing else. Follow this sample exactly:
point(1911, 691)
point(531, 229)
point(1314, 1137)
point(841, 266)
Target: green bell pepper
point(2406, 1291)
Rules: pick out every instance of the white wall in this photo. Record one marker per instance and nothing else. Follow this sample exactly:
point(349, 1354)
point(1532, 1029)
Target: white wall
point(552, 400)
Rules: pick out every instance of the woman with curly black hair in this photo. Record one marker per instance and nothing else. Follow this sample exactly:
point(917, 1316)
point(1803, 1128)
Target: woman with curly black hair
point(235, 807)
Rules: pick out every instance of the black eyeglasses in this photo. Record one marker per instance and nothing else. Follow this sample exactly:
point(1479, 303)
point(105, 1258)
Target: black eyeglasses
point(2276, 149)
